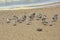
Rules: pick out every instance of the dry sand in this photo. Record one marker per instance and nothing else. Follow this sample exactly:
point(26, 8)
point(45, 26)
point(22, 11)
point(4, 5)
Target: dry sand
point(29, 32)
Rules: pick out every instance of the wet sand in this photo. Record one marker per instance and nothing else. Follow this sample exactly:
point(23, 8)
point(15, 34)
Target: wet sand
point(29, 32)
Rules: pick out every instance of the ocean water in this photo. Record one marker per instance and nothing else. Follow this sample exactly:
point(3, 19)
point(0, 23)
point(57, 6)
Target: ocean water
point(23, 2)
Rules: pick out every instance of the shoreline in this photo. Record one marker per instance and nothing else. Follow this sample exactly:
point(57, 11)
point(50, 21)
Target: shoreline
point(47, 5)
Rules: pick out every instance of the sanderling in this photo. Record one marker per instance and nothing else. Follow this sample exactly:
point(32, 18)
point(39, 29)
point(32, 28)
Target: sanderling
point(24, 18)
point(55, 17)
point(14, 22)
point(44, 22)
point(32, 16)
point(19, 21)
point(44, 17)
point(15, 17)
point(8, 20)
point(38, 17)
point(28, 22)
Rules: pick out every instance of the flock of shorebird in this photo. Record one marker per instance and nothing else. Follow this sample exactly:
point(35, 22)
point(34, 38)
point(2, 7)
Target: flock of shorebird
point(30, 18)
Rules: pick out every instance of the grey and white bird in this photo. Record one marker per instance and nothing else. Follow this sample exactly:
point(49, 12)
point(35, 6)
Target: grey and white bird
point(38, 17)
point(55, 17)
point(8, 20)
point(32, 16)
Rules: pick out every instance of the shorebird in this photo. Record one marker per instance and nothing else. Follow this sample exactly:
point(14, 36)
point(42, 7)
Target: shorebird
point(14, 22)
point(32, 16)
point(44, 17)
point(38, 17)
point(19, 21)
point(44, 21)
point(28, 22)
point(55, 17)
point(23, 18)
point(14, 17)
point(8, 20)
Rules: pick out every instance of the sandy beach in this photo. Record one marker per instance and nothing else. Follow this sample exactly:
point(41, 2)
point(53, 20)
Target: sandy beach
point(29, 32)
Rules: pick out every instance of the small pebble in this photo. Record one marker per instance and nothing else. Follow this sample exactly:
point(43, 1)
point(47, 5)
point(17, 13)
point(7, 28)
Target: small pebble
point(50, 25)
point(14, 24)
point(39, 29)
